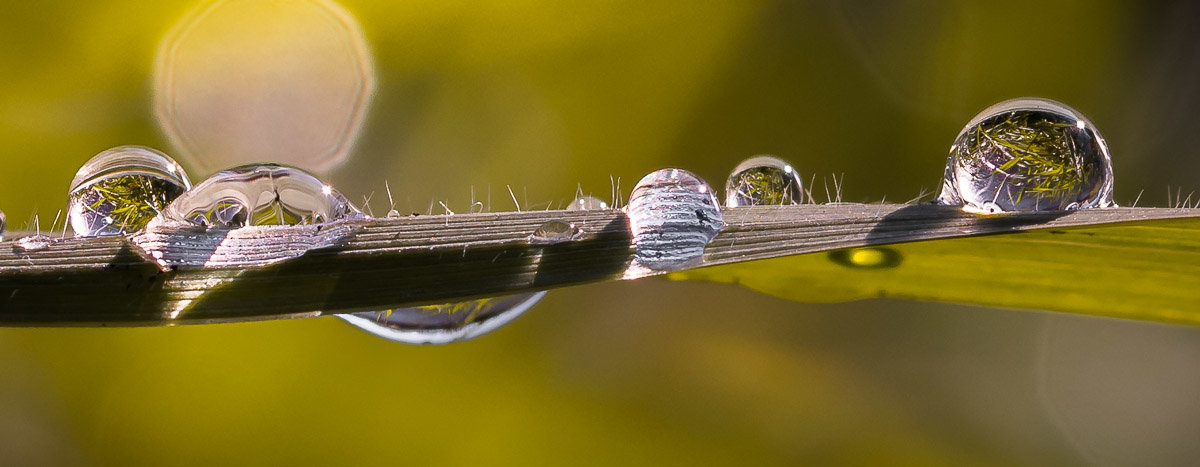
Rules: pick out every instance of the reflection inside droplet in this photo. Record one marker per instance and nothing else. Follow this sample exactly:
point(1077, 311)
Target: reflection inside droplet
point(241, 81)
point(1028, 154)
point(763, 180)
point(120, 190)
point(259, 194)
point(673, 214)
point(443, 324)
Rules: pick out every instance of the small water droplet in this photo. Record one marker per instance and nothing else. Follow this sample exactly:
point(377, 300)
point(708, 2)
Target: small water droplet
point(587, 203)
point(443, 324)
point(1028, 154)
point(673, 215)
point(554, 232)
point(763, 180)
point(260, 194)
point(34, 242)
point(120, 190)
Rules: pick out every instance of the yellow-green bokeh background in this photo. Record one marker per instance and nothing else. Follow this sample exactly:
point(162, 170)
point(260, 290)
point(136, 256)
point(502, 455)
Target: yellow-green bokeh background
point(543, 96)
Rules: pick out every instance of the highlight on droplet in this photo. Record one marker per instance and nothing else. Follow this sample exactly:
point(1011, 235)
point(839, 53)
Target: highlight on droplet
point(1025, 155)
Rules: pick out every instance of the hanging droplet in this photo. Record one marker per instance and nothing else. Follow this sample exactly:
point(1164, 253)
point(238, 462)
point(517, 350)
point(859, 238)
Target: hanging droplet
point(260, 194)
point(119, 190)
point(1028, 154)
point(763, 181)
point(443, 324)
point(673, 214)
point(587, 203)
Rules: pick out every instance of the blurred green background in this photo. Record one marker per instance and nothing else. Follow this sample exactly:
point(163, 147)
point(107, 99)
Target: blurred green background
point(542, 96)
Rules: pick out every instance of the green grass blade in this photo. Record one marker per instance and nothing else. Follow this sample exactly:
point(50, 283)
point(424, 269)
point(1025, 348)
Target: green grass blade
point(1147, 270)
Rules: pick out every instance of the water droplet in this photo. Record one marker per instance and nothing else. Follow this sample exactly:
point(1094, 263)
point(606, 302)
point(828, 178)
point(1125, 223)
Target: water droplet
point(2, 225)
point(763, 180)
point(554, 232)
point(587, 203)
point(443, 324)
point(120, 190)
point(1028, 154)
point(673, 214)
point(34, 242)
point(260, 194)
point(241, 81)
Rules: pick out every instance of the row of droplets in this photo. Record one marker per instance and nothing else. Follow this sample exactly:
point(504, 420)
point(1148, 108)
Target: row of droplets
point(1020, 155)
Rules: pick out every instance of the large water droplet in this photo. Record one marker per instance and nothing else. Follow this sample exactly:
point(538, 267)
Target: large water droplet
point(1028, 154)
point(673, 214)
point(443, 324)
point(119, 190)
point(260, 194)
point(763, 180)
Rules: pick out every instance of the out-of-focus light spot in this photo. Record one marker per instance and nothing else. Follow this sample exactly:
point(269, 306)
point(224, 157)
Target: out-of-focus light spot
point(241, 81)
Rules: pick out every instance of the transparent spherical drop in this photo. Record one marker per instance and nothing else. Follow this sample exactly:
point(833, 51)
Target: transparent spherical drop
point(120, 190)
point(443, 324)
point(587, 203)
point(763, 181)
point(673, 215)
point(554, 232)
point(260, 194)
point(1026, 155)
